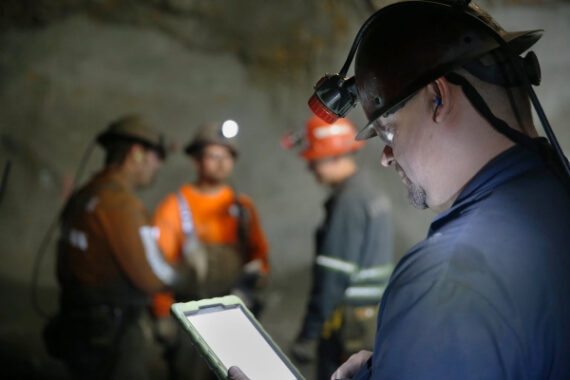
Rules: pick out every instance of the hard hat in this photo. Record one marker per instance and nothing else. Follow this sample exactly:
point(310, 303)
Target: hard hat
point(135, 128)
point(214, 133)
point(397, 58)
point(322, 140)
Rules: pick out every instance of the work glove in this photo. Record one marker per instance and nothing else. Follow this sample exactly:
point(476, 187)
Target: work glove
point(252, 275)
point(250, 286)
point(304, 350)
point(166, 330)
point(196, 255)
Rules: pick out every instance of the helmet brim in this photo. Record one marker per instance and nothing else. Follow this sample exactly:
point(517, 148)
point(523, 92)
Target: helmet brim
point(519, 41)
point(106, 138)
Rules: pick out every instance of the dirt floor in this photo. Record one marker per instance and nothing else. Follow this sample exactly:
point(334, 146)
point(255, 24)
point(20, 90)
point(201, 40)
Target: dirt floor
point(23, 356)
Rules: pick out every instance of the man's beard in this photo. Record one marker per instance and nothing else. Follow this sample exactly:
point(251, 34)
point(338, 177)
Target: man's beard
point(215, 177)
point(215, 180)
point(416, 194)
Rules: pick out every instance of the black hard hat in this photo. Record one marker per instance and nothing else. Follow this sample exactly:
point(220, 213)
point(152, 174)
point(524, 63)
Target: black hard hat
point(411, 43)
point(208, 134)
point(134, 128)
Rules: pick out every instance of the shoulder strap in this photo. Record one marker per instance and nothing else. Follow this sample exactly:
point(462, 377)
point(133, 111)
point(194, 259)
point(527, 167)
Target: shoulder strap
point(185, 214)
point(243, 220)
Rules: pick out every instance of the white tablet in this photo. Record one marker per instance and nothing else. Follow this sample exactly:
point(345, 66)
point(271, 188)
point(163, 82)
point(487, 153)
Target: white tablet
point(227, 334)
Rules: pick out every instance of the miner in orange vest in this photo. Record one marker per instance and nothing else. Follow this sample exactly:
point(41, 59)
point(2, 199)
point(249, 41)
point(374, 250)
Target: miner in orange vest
point(221, 229)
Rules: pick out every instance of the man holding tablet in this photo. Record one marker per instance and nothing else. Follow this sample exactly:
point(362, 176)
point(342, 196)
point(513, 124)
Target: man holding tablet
point(487, 294)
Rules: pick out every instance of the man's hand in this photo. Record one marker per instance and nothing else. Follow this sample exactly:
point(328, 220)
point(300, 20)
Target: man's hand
point(166, 330)
point(304, 350)
point(196, 256)
point(350, 367)
point(234, 373)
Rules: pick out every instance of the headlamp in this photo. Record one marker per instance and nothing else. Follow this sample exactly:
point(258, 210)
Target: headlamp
point(229, 129)
point(334, 97)
point(393, 74)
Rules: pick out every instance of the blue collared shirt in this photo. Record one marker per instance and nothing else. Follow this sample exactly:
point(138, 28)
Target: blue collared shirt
point(487, 294)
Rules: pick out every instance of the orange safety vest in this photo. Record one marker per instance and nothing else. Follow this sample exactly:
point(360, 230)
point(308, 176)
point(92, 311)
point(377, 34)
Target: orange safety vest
point(213, 218)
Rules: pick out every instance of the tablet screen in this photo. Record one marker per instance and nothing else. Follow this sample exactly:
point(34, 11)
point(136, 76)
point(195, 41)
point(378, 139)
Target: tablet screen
point(236, 341)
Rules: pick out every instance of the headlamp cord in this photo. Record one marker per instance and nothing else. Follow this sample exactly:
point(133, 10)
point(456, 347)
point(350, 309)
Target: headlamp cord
point(356, 42)
point(364, 29)
point(48, 235)
point(4, 182)
point(538, 108)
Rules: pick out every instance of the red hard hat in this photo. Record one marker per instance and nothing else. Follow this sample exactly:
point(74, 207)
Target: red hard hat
point(323, 140)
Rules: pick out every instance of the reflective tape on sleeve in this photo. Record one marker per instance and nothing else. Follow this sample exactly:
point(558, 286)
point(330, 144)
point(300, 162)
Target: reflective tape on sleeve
point(185, 214)
point(156, 260)
point(382, 272)
point(336, 264)
point(78, 239)
point(364, 292)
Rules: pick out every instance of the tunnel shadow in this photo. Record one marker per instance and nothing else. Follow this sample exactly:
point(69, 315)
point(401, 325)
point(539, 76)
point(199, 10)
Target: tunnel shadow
point(24, 356)
point(22, 353)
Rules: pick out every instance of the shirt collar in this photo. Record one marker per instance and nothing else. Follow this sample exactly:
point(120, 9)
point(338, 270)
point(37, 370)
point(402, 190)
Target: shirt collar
point(507, 165)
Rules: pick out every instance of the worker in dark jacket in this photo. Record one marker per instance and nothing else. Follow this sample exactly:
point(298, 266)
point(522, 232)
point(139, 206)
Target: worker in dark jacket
point(108, 260)
point(487, 294)
point(353, 252)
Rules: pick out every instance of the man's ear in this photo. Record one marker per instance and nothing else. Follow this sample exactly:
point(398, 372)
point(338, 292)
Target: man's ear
point(440, 93)
point(137, 152)
point(195, 159)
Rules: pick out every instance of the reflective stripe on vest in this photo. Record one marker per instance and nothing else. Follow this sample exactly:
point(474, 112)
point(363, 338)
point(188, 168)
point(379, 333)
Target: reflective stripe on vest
point(365, 283)
point(336, 264)
point(156, 260)
point(368, 283)
point(373, 292)
point(378, 273)
point(185, 214)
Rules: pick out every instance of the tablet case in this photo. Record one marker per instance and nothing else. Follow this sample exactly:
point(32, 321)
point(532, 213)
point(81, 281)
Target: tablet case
point(181, 309)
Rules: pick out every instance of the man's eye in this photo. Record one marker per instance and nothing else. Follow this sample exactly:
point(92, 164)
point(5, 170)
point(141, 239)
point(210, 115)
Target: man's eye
point(385, 132)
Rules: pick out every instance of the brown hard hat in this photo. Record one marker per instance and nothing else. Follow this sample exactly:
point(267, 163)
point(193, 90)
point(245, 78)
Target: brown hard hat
point(135, 128)
point(208, 134)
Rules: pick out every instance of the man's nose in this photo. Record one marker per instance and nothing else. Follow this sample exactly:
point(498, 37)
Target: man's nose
point(387, 157)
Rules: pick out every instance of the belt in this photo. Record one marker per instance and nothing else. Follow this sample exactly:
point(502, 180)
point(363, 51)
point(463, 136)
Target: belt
point(116, 312)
